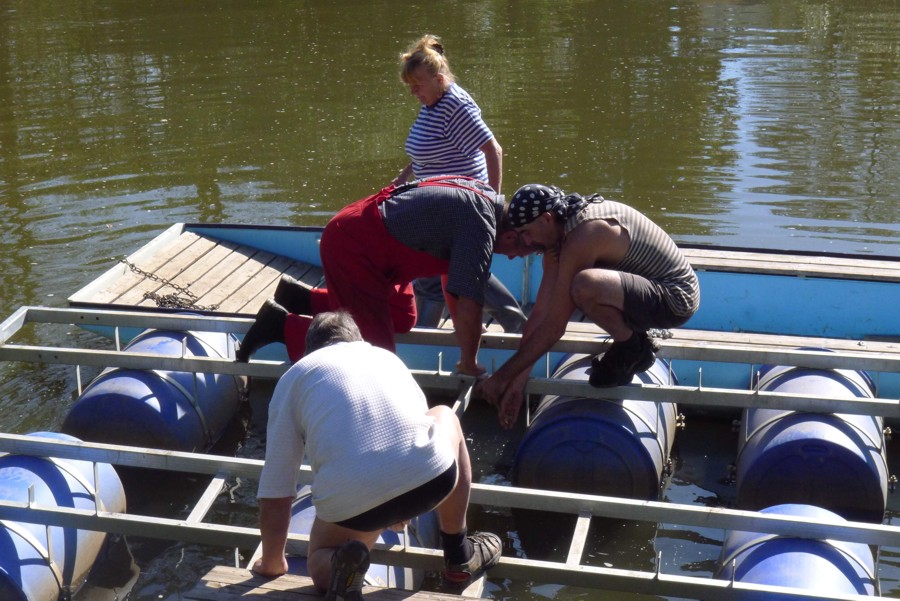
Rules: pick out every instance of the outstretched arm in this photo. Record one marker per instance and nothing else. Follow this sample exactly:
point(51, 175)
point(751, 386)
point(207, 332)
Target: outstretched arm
point(274, 520)
point(545, 326)
point(467, 324)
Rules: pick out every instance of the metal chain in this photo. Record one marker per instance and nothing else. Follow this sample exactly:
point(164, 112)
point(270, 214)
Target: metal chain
point(169, 301)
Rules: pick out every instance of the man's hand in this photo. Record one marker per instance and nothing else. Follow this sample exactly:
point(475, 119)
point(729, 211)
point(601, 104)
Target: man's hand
point(511, 402)
point(490, 389)
point(270, 568)
point(507, 396)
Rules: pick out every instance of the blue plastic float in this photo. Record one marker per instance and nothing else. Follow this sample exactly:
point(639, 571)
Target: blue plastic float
point(41, 563)
point(834, 461)
point(826, 566)
point(598, 446)
point(177, 411)
point(423, 532)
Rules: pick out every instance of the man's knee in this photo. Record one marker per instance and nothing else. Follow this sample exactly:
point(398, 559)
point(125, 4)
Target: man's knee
point(444, 416)
point(448, 423)
point(584, 288)
point(589, 285)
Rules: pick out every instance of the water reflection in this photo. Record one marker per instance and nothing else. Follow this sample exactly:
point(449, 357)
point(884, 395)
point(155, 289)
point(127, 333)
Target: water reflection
point(768, 123)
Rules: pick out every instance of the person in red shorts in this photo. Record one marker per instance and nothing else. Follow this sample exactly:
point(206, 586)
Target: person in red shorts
point(374, 248)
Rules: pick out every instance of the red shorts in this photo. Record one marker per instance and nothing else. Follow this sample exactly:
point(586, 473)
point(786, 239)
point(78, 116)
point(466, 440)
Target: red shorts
point(368, 273)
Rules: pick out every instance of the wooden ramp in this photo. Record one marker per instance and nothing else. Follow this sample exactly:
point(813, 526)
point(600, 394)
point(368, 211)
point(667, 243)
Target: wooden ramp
point(188, 270)
point(226, 584)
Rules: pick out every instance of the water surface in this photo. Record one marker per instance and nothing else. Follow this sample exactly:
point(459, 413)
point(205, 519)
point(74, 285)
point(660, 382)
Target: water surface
point(768, 124)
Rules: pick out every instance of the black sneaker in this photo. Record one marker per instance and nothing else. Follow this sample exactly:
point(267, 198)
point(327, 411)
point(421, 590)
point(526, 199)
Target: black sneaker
point(349, 565)
point(618, 365)
point(488, 549)
point(268, 328)
point(294, 295)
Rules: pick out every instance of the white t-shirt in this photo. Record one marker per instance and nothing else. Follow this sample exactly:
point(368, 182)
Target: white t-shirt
point(359, 415)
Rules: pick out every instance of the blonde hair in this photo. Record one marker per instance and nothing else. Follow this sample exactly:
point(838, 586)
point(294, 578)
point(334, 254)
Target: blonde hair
point(427, 52)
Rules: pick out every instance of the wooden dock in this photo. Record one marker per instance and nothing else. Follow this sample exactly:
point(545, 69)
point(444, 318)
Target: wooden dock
point(225, 584)
point(226, 277)
point(189, 270)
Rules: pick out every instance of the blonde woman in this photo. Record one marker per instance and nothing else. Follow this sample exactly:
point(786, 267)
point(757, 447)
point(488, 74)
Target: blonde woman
point(449, 137)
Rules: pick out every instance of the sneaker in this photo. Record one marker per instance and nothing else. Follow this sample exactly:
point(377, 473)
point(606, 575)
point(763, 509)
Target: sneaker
point(618, 365)
point(268, 328)
point(488, 549)
point(349, 565)
point(294, 295)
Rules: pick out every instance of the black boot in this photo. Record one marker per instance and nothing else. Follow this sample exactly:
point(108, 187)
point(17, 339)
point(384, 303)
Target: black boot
point(268, 328)
point(622, 360)
point(294, 295)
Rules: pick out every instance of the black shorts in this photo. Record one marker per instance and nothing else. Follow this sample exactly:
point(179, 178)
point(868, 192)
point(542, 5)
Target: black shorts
point(645, 304)
point(406, 506)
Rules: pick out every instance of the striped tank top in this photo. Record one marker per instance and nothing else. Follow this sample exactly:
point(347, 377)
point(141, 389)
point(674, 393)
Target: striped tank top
point(652, 254)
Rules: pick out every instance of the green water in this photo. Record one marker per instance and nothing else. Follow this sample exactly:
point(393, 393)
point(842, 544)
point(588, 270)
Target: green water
point(765, 124)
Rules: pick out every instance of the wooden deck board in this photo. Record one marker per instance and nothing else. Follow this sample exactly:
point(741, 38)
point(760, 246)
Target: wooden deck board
point(237, 271)
point(173, 270)
point(230, 277)
point(225, 583)
point(130, 280)
point(747, 340)
point(209, 284)
point(794, 265)
point(308, 274)
point(218, 282)
point(251, 298)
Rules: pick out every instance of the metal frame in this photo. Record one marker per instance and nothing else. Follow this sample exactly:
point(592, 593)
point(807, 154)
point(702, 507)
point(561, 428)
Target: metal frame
point(571, 572)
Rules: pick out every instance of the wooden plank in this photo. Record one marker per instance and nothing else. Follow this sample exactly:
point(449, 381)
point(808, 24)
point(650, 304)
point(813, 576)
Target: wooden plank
point(749, 340)
point(130, 280)
point(227, 583)
point(251, 298)
point(216, 277)
point(140, 256)
point(171, 271)
point(236, 271)
point(206, 273)
point(795, 265)
point(234, 292)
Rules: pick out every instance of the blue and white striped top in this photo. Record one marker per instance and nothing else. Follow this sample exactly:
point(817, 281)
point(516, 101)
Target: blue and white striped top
point(445, 138)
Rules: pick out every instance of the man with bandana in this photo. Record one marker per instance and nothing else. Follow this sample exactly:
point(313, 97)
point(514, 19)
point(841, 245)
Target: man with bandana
point(608, 260)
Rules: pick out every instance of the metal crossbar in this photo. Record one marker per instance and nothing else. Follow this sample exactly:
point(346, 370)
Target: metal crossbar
point(572, 572)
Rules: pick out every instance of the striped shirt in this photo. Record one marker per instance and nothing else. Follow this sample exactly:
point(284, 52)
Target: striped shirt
point(446, 138)
point(652, 254)
point(455, 224)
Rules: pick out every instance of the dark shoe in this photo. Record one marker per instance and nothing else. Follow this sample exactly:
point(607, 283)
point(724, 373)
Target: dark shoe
point(618, 365)
point(488, 549)
point(349, 565)
point(268, 328)
point(294, 295)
